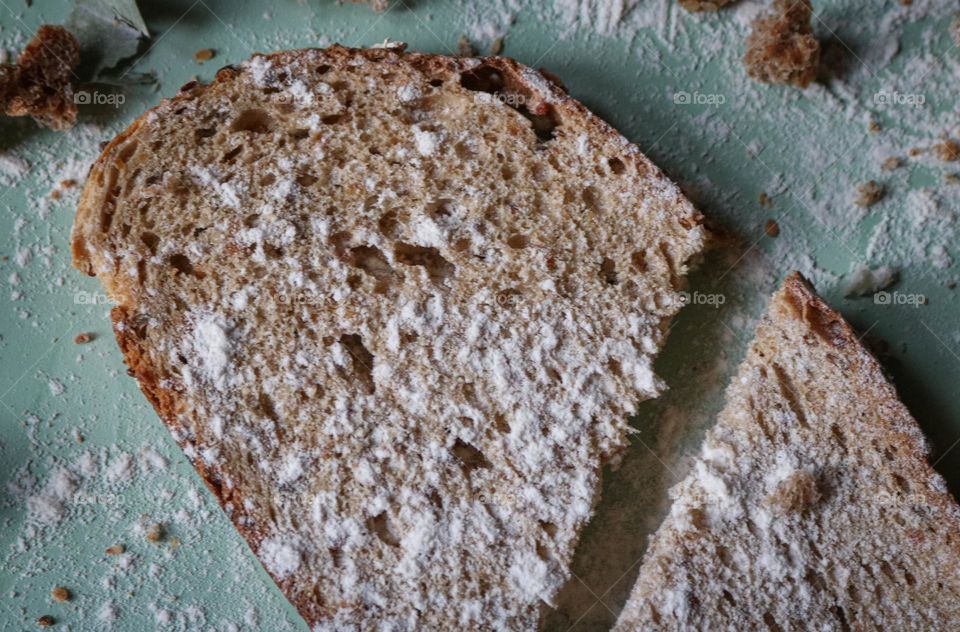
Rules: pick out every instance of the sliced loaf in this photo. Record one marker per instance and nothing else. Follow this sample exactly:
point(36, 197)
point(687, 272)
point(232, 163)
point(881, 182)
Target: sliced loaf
point(396, 309)
point(811, 505)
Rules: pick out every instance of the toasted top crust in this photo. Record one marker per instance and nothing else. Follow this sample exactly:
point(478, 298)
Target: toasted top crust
point(812, 505)
point(396, 308)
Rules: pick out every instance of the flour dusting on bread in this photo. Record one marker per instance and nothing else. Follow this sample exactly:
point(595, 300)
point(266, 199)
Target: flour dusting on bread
point(811, 505)
point(396, 308)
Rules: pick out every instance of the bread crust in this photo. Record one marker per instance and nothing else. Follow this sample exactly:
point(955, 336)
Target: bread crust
point(168, 401)
point(905, 433)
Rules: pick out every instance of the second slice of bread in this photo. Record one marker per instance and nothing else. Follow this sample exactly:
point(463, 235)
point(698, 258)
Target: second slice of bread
point(811, 506)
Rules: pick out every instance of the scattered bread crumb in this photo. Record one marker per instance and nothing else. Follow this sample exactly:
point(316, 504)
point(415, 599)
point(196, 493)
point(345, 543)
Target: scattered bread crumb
point(116, 549)
point(948, 150)
point(464, 47)
point(781, 48)
point(45, 621)
point(496, 46)
point(696, 6)
point(155, 533)
point(204, 54)
point(82, 338)
point(772, 228)
point(869, 193)
point(377, 5)
point(59, 593)
point(765, 200)
point(891, 163)
point(873, 126)
point(40, 85)
point(952, 178)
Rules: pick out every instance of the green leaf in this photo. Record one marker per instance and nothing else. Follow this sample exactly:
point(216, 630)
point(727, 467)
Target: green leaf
point(109, 32)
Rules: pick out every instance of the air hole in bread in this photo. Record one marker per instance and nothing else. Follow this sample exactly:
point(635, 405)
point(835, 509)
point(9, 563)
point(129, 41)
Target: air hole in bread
point(639, 261)
point(440, 208)
point(655, 615)
point(266, 407)
point(507, 172)
point(430, 259)
point(589, 197)
point(616, 165)
point(483, 78)
point(553, 374)
point(549, 528)
point(253, 120)
point(517, 241)
point(463, 151)
point(608, 271)
point(181, 263)
point(901, 483)
point(469, 456)
point(544, 125)
point(323, 69)
point(909, 578)
point(461, 244)
point(306, 179)
point(333, 119)
point(142, 272)
point(388, 223)
point(838, 436)
point(361, 361)
point(729, 598)
point(267, 179)
point(771, 622)
point(127, 152)
point(204, 132)
point(379, 525)
point(841, 616)
point(371, 260)
point(230, 155)
point(542, 552)
point(299, 133)
point(436, 83)
point(150, 240)
point(613, 365)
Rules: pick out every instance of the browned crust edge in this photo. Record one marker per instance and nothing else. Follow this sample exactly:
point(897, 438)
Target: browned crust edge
point(168, 402)
point(903, 430)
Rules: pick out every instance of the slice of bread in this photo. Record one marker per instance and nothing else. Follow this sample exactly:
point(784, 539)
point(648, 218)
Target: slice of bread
point(396, 308)
point(811, 505)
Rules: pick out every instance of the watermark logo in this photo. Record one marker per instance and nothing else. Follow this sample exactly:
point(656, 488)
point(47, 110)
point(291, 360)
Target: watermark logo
point(713, 99)
point(700, 298)
point(912, 99)
point(513, 99)
point(899, 298)
point(95, 97)
point(91, 298)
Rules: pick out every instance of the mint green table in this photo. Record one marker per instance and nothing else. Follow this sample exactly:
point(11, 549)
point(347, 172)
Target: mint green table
point(85, 464)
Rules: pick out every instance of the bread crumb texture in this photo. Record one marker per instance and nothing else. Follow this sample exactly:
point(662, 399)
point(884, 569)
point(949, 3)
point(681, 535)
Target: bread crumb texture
point(40, 84)
point(781, 47)
point(811, 505)
point(396, 308)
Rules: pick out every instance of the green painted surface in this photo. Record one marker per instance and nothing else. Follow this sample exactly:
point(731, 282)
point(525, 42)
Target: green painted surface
point(807, 150)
